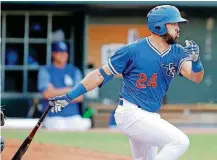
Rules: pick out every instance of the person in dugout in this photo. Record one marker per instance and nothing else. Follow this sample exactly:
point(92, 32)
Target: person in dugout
point(57, 79)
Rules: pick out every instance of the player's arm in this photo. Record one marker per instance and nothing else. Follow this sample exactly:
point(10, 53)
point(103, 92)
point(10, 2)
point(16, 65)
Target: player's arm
point(192, 68)
point(115, 65)
point(187, 72)
point(77, 80)
point(94, 79)
point(97, 78)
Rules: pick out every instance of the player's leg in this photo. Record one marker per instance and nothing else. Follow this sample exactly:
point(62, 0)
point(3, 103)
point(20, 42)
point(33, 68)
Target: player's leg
point(176, 145)
point(142, 151)
point(149, 128)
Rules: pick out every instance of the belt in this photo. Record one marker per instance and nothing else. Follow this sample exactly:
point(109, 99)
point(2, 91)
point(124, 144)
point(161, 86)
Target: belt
point(121, 103)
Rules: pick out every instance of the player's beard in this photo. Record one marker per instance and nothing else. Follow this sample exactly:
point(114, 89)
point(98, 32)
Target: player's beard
point(169, 39)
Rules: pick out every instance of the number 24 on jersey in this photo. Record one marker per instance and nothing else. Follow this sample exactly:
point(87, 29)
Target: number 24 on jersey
point(143, 81)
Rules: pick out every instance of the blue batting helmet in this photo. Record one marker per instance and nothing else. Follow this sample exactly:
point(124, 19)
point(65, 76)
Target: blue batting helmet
point(159, 16)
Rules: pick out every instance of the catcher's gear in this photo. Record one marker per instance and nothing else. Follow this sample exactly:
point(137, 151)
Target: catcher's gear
point(2, 144)
point(159, 16)
point(2, 118)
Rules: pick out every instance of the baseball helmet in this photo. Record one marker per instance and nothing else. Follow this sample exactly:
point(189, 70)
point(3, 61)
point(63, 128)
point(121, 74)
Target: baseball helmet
point(59, 47)
point(159, 16)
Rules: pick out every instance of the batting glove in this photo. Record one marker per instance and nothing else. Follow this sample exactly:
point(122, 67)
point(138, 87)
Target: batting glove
point(192, 49)
point(59, 102)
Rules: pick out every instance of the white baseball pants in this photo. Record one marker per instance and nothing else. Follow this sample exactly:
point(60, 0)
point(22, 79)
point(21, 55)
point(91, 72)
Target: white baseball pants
point(148, 131)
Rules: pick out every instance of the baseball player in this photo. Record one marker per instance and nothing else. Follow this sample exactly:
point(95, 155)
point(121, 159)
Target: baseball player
point(56, 79)
point(148, 66)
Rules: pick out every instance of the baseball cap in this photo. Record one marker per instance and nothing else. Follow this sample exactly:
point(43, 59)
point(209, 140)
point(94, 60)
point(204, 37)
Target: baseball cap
point(59, 47)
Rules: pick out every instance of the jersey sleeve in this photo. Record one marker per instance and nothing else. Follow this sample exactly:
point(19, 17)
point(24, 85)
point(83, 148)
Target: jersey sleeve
point(43, 80)
point(118, 62)
point(181, 58)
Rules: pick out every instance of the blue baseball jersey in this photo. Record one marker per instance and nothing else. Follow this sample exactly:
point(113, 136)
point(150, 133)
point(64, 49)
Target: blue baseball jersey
point(147, 73)
point(69, 76)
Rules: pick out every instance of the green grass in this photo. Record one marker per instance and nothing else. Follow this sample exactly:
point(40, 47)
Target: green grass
point(203, 147)
point(105, 142)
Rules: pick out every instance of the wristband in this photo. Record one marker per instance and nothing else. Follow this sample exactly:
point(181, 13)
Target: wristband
point(105, 76)
point(197, 66)
point(77, 91)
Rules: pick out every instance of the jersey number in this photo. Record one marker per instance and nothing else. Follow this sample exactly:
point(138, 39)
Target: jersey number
point(142, 78)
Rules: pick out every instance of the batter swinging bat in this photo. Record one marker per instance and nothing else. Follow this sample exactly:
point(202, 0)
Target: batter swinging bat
point(21, 151)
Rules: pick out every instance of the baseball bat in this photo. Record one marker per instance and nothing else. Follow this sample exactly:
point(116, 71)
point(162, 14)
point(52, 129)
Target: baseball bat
point(25, 145)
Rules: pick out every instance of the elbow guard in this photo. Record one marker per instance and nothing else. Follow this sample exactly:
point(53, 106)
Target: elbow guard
point(105, 76)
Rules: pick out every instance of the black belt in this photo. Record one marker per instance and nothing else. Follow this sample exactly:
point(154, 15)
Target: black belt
point(121, 103)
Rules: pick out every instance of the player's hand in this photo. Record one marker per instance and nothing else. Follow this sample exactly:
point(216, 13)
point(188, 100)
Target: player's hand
point(59, 102)
point(192, 49)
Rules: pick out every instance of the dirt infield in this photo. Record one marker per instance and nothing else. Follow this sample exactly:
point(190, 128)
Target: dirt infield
point(39, 151)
